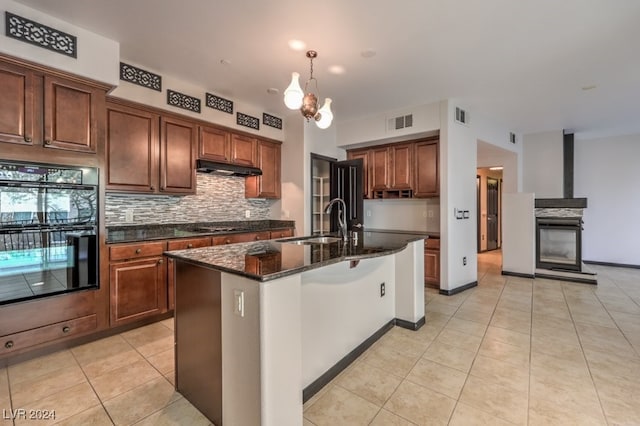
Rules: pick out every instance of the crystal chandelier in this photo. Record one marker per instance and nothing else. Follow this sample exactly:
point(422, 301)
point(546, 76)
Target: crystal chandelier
point(295, 98)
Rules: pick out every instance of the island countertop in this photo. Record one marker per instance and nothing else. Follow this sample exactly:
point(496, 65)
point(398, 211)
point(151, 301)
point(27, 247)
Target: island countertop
point(269, 260)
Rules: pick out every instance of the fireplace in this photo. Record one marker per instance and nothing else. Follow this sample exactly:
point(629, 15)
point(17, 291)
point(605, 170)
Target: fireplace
point(558, 243)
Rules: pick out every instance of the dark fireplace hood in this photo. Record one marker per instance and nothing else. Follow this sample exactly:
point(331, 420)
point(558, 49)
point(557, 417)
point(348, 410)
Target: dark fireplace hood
point(568, 201)
point(206, 166)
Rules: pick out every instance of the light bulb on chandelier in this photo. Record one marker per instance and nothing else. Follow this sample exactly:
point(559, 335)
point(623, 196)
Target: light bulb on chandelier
point(295, 98)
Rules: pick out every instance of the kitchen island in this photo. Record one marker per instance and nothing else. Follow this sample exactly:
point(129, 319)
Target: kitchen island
point(262, 326)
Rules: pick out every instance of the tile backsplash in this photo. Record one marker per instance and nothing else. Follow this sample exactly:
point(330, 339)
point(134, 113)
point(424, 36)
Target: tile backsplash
point(218, 198)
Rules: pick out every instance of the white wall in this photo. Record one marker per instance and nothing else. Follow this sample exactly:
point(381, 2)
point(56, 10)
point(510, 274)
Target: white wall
point(518, 233)
point(608, 175)
point(543, 164)
point(419, 214)
point(98, 57)
point(457, 191)
point(292, 205)
point(157, 99)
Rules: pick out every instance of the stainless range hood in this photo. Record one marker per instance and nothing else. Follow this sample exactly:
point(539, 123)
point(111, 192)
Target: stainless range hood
point(205, 166)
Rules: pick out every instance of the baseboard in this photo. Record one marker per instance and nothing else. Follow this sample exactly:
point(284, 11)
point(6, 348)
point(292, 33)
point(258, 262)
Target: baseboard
point(332, 372)
point(569, 279)
point(410, 325)
point(458, 289)
point(518, 274)
point(616, 265)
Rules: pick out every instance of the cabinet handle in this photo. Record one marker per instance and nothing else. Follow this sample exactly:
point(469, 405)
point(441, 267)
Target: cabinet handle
point(47, 142)
point(257, 237)
point(228, 241)
point(9, 344)
point(189, 245)
point(27, 139)
point(160, 262)
point(138, 251)
point(66, 329)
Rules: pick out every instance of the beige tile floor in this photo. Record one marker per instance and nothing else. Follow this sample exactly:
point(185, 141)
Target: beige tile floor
point(510, 351)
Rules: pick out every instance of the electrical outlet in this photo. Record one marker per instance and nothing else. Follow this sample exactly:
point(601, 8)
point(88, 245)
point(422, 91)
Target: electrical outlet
point(368, 213)
point(382, 290)
point(430, 214)
point(424, 213)
point(128, 215)
point(247, 213)
point(464, 261)
point(238, 302)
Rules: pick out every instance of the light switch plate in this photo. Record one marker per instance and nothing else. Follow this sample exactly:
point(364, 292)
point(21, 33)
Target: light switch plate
point(238, 302)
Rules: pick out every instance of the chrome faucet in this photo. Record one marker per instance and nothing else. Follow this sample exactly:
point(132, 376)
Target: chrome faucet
point(342, 218)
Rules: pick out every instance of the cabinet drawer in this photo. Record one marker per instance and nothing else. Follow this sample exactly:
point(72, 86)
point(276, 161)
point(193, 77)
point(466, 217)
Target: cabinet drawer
point(283, 233)
point(190, 243)
point(133, 251)
point(432, 243)
point(241, 238)
point(25, 339)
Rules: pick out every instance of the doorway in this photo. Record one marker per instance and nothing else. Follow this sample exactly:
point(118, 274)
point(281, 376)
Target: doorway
point(492, 213)
point(489, 199)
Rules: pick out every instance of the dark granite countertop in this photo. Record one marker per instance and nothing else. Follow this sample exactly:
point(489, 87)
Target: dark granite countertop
point(430, 234)
point(135, 233)
point(268, 260)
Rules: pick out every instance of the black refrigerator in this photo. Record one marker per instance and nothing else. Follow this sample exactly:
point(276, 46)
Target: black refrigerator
point(336, 179)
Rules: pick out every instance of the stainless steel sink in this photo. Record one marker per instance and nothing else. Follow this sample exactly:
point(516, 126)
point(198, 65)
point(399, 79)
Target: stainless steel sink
point(312, 240)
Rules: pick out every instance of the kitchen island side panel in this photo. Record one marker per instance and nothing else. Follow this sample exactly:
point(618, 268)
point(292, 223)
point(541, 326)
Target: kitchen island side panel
point(198, 338)
point(410, 282)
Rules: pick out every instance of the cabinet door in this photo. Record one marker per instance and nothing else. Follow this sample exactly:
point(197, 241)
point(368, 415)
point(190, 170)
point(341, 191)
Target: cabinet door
point(282, 233)
point(214, 144)
point(138, 289)
point(379, 168)
point(400, 164)
point(243, 150)
point(177, 156)
point(240, 238)
point(426, 169)
point(132, 149)
point(268, 184)
point(364, 155)
point(17, 108)
point(432, 268)
point(71, 114)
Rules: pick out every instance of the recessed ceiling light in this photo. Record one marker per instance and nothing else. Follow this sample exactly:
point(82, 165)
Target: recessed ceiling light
point(273, 91)
point(336, 69)
point(225, 61)
point(297, 45)
point(368, 53)
point(591, 87)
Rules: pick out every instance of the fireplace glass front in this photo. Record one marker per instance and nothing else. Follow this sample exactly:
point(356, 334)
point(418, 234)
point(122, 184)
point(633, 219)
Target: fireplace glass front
point(558, 243)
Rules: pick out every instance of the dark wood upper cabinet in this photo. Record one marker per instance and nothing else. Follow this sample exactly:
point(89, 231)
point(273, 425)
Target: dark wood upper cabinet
point(243, 150)
point(132, 149)
point(148, 152)
point(400, 170)
point(269, 183)
point(17, 109)
point(214, 144)
point(41, 107)
point(401, 166)
point(71, 114)
point(177, 156)
point(427, 182)
point(379, 168)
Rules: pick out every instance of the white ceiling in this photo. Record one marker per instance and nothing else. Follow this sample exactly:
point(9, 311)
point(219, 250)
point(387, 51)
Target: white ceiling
point(521, 63)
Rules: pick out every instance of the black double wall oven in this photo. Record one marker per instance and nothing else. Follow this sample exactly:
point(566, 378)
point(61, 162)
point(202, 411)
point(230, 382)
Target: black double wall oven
point(48, 228)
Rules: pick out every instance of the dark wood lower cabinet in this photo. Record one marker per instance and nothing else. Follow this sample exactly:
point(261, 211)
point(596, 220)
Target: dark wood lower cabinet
point(138, 289)
point(432, 262)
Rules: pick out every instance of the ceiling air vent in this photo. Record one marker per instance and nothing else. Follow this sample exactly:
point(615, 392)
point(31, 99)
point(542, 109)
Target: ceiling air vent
point(461, 116)
point(512, 137)
point(401, 122)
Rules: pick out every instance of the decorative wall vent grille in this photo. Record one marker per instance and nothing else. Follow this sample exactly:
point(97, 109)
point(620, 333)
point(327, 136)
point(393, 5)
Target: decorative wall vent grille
point(183, 101)
point(512, 137)
point(40, 35)
point(140, 77)
point(271, 121)
point(221, 104)
point(401, 122)
point(247, 121)
point(461, 116)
